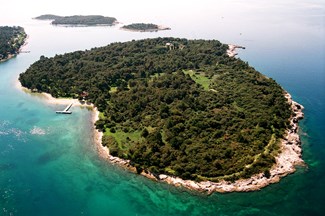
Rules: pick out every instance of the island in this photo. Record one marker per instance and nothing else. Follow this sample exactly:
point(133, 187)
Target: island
point(181, 111)
point(144, 27)
point(48, 17)
point(79, 20)
point(11, 40)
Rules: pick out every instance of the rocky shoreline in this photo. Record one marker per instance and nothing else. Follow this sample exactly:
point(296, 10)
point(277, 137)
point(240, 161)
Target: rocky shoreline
point(286, 161)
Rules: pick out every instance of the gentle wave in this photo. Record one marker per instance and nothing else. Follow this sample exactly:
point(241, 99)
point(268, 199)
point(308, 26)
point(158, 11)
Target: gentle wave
point(6, 129)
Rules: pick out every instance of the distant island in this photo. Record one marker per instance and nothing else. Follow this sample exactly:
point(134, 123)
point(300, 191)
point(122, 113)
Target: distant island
point(78, 20)
point(144, 27)
point(11, 39)
point(181, 111)
point(47, 17)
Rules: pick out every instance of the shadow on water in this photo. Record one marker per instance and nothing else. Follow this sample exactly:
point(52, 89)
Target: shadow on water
point(49, 156)
point(20, 104)
point(7, 167)
point(32, 121)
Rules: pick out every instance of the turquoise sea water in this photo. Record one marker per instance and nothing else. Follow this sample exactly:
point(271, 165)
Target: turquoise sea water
point(49, 164)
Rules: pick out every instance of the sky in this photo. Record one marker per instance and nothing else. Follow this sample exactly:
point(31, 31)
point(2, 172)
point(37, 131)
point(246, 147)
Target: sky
point(194, 16)
point(143, 10)
point(103, 7)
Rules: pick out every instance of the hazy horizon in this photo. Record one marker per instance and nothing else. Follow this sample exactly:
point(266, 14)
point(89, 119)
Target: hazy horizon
point(167, 11)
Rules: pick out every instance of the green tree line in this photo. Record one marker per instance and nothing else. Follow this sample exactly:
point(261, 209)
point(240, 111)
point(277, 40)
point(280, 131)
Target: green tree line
point(141, 27)
point(174, 106)
point(11, 39)
point(78, 19)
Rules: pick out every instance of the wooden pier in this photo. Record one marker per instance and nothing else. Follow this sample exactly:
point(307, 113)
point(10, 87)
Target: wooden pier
point(66, 110)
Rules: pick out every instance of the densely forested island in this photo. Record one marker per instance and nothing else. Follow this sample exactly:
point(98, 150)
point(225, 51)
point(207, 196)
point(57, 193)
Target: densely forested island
point(174, 106)
point(144, 27)
point(78, 20)
point(11, 39)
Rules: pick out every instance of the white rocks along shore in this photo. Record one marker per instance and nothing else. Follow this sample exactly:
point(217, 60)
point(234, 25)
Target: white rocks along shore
point(288, 158)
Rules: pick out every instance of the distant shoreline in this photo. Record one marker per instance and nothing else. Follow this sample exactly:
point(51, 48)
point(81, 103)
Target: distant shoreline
point(84, 25)
point(78, 20)
point(9, 57)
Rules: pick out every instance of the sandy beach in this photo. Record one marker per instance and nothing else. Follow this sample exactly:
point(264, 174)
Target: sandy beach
point(49, 99)
point(19, 51)
point(9, 57)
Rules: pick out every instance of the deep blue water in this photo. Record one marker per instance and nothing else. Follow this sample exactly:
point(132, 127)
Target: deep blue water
point(58, 171)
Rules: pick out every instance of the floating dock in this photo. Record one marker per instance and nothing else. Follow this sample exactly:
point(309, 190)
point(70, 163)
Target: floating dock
point(66, 110)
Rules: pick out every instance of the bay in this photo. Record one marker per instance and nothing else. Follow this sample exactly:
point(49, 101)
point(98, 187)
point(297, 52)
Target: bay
point(50, 166)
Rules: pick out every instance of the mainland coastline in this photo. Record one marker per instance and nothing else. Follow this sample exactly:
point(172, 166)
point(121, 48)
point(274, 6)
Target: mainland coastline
point(9, 57)
point(19, 50)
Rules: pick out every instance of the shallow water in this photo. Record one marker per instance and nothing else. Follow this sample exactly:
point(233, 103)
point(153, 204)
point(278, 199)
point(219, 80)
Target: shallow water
point(49, 164)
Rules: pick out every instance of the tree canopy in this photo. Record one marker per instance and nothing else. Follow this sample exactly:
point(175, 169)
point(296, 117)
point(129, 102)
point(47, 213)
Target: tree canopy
point(78, 20)
point(11, 39)
point(143, 27)
point(174, 106)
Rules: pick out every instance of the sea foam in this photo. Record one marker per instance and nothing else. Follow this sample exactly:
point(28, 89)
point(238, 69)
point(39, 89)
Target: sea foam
point(37, 131)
